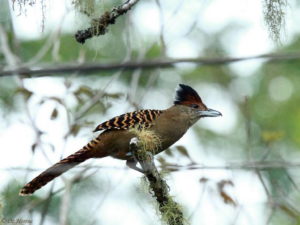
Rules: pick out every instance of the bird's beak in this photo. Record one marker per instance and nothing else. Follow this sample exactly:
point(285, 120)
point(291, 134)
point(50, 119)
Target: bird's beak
point(209, 113)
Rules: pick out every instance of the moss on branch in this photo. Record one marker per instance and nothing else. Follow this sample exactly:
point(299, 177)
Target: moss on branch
point(170, 210)
point(99, 25)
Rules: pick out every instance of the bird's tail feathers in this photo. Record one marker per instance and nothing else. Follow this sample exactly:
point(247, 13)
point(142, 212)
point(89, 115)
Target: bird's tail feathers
point(56, 170)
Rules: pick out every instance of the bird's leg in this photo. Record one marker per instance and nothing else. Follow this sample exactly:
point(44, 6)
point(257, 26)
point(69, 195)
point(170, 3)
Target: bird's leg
point(131, 163)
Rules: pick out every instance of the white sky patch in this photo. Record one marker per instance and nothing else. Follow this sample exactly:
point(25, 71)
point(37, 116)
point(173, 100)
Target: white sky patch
point(240, 87)
point(146, 18)
point(125, 213)
point(183, 48)
point(255, 41)
point(250, 38)
point(171, 77)
point(28, 21)
point(46, 86)
point(176, 21)
point(212, 203)
point(215, 98)
point(219, 13)
point(225, 123)
point(16, 145)
point(292, 20)
point(62, 14)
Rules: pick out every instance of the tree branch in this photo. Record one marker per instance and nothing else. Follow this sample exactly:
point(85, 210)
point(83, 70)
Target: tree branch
point(150, 64)
point(254, 165)
point(260, 165)
point(169, 209)
point(99, 25)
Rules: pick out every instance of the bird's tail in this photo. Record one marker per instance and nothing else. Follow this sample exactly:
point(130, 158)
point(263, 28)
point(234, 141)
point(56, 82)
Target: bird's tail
point(57, 169)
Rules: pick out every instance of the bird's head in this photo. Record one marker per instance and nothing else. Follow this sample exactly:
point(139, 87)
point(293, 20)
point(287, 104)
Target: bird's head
point(187, 96)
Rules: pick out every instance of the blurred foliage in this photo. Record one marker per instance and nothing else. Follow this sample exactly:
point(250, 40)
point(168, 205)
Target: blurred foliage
point(281, 115)
point(70, 50)
point(278, 124)
point(8, 87)
point(14, 204)
point(82, 194)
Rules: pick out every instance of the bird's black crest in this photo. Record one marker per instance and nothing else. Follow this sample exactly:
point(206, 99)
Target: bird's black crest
point(186, 95)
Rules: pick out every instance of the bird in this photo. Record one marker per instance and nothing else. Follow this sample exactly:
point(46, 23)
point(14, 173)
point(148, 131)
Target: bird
point(169, 125)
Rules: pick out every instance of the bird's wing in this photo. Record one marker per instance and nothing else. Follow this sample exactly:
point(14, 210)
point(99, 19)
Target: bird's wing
point(142, 118)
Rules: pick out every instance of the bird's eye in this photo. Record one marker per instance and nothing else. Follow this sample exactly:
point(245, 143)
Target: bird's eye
point(195, 106)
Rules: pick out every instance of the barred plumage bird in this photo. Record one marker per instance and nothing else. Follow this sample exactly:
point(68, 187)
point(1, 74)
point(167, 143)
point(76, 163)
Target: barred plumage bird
point(169, 125)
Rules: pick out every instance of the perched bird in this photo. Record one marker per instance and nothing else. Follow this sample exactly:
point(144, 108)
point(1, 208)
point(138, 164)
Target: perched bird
point(169, 125)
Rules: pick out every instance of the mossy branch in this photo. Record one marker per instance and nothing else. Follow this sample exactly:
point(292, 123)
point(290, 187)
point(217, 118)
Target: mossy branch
point(99, 25)
point(170, 210)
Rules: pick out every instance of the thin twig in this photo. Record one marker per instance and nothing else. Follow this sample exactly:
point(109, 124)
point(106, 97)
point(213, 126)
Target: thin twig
point(266, 165)
point(96, 98)
point(65, 204)
point(149, 64)
point(162, 27)
point(46, 206)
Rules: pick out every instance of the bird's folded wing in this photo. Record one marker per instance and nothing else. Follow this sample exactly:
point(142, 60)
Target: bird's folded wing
point(142, 118)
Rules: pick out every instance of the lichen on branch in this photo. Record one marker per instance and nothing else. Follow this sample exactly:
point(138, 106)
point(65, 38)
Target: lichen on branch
point(148, 140)
point(99, 25)
point(170, 210)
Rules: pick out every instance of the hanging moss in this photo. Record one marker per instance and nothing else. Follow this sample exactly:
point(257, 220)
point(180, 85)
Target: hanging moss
point(148, 145)
point(87, 7)
point(171, 212)
point(21, 5)
point(274, 15)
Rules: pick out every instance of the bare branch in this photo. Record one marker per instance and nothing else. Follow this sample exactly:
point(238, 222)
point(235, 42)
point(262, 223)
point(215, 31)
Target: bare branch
point(152, 64)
